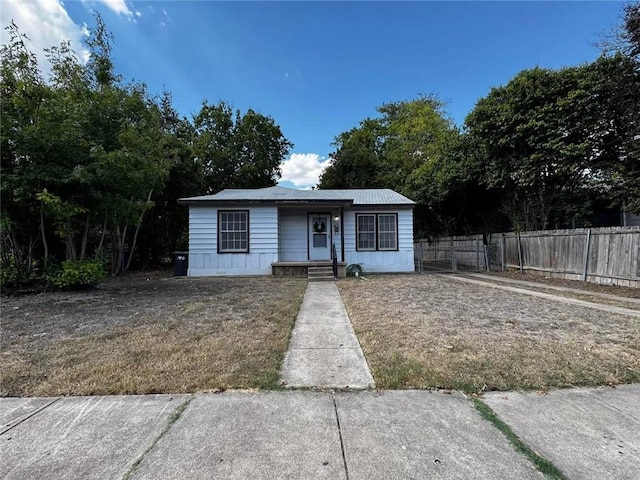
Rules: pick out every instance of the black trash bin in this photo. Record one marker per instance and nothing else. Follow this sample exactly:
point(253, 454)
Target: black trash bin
point(180, 264)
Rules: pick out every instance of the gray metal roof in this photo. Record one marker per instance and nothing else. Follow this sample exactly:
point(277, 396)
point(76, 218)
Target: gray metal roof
point(369, 196)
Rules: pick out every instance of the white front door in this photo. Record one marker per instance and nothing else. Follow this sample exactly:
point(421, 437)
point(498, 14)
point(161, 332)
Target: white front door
point(319, 225)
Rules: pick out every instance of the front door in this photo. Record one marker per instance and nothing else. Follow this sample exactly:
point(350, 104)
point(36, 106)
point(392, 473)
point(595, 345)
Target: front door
point(319, 236)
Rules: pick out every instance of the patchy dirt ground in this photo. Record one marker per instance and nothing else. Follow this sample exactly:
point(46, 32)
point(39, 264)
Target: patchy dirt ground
point(422, 331)
point(148, 333)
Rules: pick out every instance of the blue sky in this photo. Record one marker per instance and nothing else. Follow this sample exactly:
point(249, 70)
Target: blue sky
point(318, 68)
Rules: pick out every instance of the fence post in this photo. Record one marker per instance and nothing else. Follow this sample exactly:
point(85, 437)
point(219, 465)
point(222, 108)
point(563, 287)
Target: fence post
point(486, 258)
point(503, 255)
point(477, 254)
point(519, 252)
point(587, 244)
point(453, 262)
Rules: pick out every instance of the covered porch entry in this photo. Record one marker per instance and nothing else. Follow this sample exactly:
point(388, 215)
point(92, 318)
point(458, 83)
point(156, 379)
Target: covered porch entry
point(310, 237)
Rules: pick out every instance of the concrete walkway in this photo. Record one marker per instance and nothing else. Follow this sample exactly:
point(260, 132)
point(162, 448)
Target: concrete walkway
point(545, 286)
point(572, 301)
point(587, 433)
point(324, 351)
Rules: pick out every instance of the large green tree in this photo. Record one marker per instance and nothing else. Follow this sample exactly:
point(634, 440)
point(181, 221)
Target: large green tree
point(413, 148)
point(93, 165)
point(237, 150)
point(554, 141)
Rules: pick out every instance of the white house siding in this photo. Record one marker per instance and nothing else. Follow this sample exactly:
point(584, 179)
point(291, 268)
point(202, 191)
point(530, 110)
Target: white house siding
point(385, 261)
point(292, 235)
point(204, 259)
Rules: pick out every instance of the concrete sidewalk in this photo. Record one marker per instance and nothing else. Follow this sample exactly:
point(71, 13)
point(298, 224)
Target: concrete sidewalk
point(324, 350)
point(462, 277)
point(587, 433)
point(591, 433)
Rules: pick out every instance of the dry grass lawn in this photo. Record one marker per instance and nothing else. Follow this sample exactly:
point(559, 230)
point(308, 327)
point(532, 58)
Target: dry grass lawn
point(421, 331)
point(148, 334)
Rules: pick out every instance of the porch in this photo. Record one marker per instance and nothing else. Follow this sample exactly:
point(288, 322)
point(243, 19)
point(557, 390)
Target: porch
point(307, 269)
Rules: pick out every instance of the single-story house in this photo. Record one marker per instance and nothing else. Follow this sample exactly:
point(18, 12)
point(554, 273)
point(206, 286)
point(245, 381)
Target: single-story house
point(275, 229)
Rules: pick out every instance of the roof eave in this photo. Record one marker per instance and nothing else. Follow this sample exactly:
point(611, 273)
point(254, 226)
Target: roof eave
point(384, 205)
point(229, 203)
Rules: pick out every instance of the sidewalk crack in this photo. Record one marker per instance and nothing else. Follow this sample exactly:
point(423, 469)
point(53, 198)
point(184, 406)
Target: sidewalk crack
point(12, 426)
point(344, 457)
point(177, 413)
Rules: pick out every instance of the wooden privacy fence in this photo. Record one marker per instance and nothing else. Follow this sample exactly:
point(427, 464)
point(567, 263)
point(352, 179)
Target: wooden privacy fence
point(601, 255)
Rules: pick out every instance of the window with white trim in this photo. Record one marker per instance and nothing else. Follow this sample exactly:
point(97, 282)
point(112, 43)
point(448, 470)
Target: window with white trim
point(376, 232)
point(233, 231)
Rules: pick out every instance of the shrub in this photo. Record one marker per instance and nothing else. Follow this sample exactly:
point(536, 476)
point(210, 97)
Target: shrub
point(77, 275)
point(15, 275)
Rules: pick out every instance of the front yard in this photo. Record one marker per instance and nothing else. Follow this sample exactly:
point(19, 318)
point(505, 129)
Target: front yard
point(422, 331)
point(148, 333)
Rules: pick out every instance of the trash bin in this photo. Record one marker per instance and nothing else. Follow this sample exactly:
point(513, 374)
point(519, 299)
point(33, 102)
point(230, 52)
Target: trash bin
point(180, 264)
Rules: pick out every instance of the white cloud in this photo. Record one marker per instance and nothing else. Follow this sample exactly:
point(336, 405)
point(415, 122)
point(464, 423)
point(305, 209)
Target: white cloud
point(46, 23)
point(118, 6)
point(303, 169)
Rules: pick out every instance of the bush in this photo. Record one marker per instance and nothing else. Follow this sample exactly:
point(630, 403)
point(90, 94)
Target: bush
point(14, 275)
point(77, 275)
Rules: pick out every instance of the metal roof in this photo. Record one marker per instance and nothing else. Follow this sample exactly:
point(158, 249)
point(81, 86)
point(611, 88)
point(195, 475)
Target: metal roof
point(369, 196)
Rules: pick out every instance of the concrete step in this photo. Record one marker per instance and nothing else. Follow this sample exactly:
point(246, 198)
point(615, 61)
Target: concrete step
point(323, 278)
point(320, 272)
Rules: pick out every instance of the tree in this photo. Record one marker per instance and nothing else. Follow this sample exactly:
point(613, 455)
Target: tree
point(383, 152)
point(241, 151)
point(357, 161)
point(538, 140)
point(410, 148)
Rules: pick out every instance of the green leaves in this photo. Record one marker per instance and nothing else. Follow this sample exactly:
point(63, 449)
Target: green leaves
point(552, 139)
point(238, 151)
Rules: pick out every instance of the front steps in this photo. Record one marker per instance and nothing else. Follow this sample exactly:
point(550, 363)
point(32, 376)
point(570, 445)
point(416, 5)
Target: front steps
point(321, 273)
point(308, 269)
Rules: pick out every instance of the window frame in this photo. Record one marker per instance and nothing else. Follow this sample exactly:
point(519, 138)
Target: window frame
point(395, 232)
point(377, 232)
point(232, 251)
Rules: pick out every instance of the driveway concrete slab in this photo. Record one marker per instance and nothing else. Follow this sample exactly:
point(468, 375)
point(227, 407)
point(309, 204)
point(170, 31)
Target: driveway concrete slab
point(324, 350)
point(85, 437)
point(16, 410)
point(423, 435)
point(283, 435)
point(586, 433)
point(326, 368)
